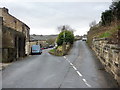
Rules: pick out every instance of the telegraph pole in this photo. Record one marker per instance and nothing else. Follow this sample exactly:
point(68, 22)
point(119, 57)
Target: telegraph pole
point(64, 43)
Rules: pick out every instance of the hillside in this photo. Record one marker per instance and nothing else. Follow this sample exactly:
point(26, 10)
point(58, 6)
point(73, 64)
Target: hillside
point(108, 27)
point(109, 32)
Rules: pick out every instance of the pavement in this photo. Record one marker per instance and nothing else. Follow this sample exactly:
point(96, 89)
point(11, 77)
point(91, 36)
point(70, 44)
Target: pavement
point(3, 65)
point(79, 69)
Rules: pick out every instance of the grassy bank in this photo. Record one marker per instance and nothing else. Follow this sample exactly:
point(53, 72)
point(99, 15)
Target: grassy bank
point(110, 32)
point(60, 50)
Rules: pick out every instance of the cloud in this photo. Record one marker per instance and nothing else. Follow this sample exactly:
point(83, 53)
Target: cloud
point(57, 0)
point(45, 17)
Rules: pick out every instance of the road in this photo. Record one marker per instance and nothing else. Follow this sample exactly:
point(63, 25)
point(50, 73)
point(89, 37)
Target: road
point(79, 69)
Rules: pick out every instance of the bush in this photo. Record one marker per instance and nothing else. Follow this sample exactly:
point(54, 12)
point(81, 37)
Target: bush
point(112, 14)
point(57, 52)
point(65, 36)
point(107, 17)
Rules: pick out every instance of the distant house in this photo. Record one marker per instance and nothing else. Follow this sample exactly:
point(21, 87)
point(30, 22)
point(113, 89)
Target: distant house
point(41, 39)
point(77, 37)
point(15, 36)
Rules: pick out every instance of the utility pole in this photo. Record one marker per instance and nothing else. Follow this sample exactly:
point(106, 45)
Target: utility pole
point(64, 43)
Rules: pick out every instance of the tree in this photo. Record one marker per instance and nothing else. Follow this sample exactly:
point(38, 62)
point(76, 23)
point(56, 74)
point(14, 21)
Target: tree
point(92, 24)
point(113, 14)
point(115, 7)
point(65, 27)
point(117, 10)
point(69, 37)
point(107, 17)
point(51, 41)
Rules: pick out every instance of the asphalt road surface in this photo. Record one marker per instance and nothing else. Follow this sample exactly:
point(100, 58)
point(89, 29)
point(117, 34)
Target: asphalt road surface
point(79, 69)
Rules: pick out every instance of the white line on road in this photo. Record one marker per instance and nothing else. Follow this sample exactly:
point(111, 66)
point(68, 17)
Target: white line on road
point(71, 64)
point(88, 85)
point(74, 67)
point(69, 61)
point(84, 80)
point(64, 57)
point(79, 73)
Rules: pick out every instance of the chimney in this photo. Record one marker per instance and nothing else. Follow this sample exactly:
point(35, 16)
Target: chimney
point(5, 10)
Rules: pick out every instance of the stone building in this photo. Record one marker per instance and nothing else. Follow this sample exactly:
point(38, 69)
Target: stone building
point(15, 36)
point(42, 40)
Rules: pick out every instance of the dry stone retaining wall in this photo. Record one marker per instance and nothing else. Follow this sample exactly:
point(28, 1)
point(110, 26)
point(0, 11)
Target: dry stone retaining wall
point(109, 55)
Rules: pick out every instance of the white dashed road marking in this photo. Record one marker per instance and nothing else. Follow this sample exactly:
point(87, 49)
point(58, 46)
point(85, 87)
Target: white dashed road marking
point(64, 57)
point(71, 64)
point(88, 85)
point(84, 80)
point(79, 73)
point(74, 67)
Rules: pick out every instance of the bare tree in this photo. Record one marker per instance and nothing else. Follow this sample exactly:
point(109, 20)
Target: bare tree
point(51, 41)
point(92, 24)
point(65, 27)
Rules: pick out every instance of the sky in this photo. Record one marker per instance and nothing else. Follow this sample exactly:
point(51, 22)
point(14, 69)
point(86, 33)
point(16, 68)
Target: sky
point(44, 16)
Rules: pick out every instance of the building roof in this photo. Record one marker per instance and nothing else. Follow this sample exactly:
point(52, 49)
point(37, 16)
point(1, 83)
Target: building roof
point(7, 11)
point(42, 37)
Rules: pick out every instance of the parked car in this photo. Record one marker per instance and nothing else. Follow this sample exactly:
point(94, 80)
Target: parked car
point(84, 39)
point(51, 46)
point(42, 48)
point(35, 49)
point(45, 47)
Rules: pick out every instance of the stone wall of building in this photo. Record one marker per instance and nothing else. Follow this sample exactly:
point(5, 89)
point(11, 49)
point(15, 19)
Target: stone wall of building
point(109, 55)
point(15, 37)
point(0, 39)
point(13, 44)
point(12, 22)
point(17, 25)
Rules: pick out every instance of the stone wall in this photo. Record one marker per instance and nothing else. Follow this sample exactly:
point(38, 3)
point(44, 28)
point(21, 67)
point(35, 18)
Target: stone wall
point(13, 44)
point(12, 22)
point(1, 39)
point(109, 55)
point(15, 24)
